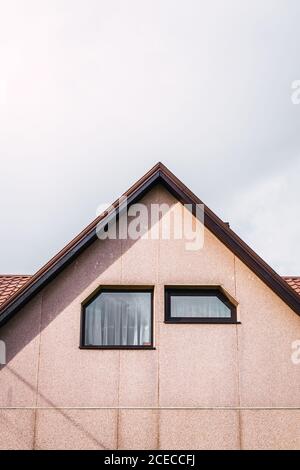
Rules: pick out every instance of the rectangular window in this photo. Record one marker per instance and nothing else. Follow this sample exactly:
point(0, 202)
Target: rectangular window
point(198, 305)
point(118, 319)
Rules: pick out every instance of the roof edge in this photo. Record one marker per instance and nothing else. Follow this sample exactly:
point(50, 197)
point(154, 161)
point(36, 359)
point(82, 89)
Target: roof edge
point(158, 174)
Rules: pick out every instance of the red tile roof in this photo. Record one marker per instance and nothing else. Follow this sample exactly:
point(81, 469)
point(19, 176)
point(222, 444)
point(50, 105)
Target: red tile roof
point(294, 282)
point(9, 284)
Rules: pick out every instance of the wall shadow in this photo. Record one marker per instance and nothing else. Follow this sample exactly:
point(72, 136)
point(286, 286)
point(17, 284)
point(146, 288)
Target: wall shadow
point(30, 322)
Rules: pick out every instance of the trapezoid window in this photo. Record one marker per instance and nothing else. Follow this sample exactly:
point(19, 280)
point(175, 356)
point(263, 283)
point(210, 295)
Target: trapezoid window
point(198, 305)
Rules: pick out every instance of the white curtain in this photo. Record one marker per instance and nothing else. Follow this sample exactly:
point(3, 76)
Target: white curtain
point(199, 306)
point(119, 319)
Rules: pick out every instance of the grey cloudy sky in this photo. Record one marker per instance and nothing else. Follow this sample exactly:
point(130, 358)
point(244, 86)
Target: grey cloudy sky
point(93, 93)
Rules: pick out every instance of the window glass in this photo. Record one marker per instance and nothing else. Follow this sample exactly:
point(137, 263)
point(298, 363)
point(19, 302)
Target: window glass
point(119, 319)
point(207, 306)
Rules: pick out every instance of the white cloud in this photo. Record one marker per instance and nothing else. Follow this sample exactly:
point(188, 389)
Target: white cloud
point(94, 93)
point(266, 215)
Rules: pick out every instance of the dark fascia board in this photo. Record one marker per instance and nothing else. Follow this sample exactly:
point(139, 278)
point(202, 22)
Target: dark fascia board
point(235, 244)
point(32, 288)
point(159, 174)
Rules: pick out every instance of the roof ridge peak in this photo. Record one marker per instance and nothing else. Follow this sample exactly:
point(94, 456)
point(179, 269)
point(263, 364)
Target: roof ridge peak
point(161, 174)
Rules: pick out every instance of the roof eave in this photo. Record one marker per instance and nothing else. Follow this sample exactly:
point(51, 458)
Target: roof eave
point(159, 174)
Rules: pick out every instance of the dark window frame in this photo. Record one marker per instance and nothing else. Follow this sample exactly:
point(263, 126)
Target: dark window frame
point(198, 291)
point(116, 289)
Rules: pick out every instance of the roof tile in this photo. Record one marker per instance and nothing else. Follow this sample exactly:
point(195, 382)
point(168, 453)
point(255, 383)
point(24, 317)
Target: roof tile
point(294, 282)
point(9, 284)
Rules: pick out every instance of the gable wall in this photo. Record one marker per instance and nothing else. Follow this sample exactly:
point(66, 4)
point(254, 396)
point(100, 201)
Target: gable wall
point(188, 392)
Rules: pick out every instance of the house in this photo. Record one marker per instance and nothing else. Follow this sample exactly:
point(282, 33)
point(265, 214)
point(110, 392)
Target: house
point(148, 342)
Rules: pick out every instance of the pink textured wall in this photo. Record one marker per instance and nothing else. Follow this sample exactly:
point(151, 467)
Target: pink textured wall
point(204, 386)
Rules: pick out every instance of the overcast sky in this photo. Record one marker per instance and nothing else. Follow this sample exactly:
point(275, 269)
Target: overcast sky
point(93, 93)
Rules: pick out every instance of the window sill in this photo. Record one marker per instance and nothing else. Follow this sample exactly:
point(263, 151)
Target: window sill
point(120, 348)
point(202, 322)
